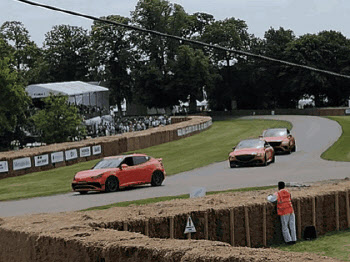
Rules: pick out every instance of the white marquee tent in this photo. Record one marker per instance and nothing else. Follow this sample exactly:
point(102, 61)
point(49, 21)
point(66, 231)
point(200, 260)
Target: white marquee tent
point(79, 93)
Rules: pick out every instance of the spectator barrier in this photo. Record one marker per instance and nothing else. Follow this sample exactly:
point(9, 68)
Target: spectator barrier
point(25, 161)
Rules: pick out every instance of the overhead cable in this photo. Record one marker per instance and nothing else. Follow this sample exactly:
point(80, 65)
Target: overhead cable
point(217, 47)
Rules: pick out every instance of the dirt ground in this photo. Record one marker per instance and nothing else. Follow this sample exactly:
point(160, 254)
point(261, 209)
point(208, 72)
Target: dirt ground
point(80, 225)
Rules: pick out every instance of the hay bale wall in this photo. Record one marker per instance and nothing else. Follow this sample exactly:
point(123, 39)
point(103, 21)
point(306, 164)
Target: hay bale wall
point(249, 228)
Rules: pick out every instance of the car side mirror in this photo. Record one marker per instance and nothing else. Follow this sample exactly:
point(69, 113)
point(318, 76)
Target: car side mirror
point(123, 166)
point(233, 148)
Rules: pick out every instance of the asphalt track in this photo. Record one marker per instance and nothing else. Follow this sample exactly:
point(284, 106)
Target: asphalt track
point(313, 136)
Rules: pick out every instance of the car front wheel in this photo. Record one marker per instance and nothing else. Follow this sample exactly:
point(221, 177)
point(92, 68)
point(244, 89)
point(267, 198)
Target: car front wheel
point(157, 178)
point(111, 184)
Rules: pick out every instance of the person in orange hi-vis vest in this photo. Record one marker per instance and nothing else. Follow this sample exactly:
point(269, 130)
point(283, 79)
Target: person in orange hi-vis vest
point(286, 212)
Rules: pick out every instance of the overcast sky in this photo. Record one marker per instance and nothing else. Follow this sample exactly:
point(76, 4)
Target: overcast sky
point(301, 16)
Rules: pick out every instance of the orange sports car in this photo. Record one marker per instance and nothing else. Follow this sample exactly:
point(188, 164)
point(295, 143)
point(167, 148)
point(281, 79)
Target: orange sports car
point(112, 173)
point(252, 152)
point(280, 139)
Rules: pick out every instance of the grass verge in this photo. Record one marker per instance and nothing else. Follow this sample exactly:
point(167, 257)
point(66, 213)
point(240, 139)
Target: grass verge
point(147, 201)
point(334, 244)
point(212, 145)
point(340, 150)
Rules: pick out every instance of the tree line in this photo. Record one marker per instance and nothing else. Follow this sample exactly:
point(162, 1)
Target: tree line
point(158, 72)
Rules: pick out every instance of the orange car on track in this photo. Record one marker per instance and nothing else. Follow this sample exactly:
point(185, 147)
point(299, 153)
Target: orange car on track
point(112, 173)
point(280, 139)
point(252, 152)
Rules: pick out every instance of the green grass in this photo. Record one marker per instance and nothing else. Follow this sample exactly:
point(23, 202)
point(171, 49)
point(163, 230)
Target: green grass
point(166, 198)
point(340, 150)
point(210, 146)
point(335, 244)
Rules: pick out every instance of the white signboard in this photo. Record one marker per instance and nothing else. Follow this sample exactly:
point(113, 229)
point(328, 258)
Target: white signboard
point(22, 163)
point(57, 157)
point(179, 132)
point(85, 151)
point(71, 154)
point(190, 228)
point(96, 150)
point(198, 192)
point(42, 160)
point(347, 111)
point(4, 167)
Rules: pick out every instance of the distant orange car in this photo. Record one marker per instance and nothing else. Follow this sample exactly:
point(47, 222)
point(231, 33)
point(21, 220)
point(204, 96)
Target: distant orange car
point(280, 139)
point(112, 173)
point(252, 152)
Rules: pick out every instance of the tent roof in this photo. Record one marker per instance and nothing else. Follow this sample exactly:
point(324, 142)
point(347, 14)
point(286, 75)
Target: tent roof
point(65, 88)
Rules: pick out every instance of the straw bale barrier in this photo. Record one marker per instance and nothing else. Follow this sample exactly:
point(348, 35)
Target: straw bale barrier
point(25, 161)
point(226, 224)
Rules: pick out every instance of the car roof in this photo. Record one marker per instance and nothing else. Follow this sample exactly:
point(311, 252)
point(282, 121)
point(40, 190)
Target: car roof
point(124, 156)
point(277, 128)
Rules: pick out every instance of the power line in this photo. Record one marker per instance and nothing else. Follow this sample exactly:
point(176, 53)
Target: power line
point(239, 52)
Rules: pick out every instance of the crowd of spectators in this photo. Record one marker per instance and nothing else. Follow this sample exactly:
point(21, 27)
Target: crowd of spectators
point(118, 125)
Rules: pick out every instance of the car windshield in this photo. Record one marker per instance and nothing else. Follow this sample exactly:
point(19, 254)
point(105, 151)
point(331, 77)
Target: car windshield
point(275, 132)
point(108, 163)
point(250, 144)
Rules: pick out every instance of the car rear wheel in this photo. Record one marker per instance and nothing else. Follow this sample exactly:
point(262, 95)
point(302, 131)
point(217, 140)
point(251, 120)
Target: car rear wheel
point(232, 165)
point(83, 192)
point(294, 148)
point(157, 178)
point(111, 184)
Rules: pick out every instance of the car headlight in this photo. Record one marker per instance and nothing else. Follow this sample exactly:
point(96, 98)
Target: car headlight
point(96, 177)
point(259, 154)
point(285, 143)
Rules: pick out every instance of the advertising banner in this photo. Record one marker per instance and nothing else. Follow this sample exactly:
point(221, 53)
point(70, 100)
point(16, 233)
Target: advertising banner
point(85, 151)
point(22, 163)
point(57, 157)
point(4, 167)
point(42, 160)
point(96, 150)
point(71, 154)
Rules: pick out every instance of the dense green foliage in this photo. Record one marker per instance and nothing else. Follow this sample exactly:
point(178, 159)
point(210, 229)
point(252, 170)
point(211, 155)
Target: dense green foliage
point(58, 121)
point(151, 70)
point(192, 152)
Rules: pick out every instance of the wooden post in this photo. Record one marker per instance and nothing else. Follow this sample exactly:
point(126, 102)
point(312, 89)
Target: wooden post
point(125, 226)
point(314, 211)
point(247, 228)
point(299, 219)
point(188, 235)
point(147, 228)
point(206, 228)
point(264, 226)
point(171, 226)
point(347, 207)
point(232, 226)
point(337, 211)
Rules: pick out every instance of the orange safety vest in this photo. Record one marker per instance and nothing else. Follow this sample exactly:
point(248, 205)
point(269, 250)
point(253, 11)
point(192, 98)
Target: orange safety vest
point(284, 203)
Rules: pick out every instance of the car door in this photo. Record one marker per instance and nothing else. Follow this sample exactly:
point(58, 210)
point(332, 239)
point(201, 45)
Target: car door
point(143, 168)
point(127, 174)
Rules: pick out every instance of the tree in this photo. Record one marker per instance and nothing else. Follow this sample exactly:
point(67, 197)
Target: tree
point(14, 102)
point(191, 74)
point(156, 54)
point(328, 50)
point(24, 51)
point(58, 121)
point(113, 58)
point(66, 50)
